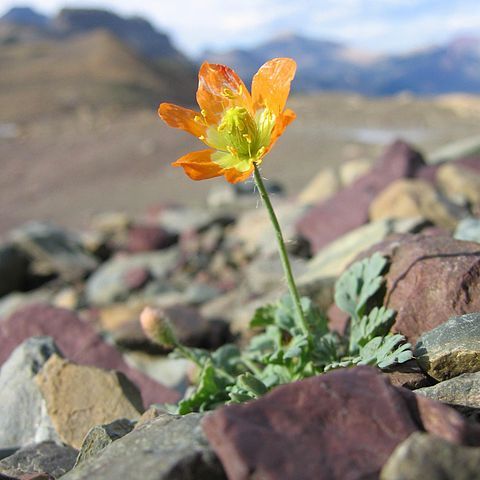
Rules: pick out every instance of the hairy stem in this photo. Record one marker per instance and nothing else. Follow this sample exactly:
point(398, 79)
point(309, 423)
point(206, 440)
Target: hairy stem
point(282, 250)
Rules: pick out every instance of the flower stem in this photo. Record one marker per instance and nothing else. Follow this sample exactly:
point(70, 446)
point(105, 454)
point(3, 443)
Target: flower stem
point(282, 250)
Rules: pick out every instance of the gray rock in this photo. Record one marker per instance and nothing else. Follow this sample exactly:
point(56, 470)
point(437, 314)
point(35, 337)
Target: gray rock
point(13, 269)
point(53, 251)
point(182, 219)
point(424, 456)
point(23, 414)
point(166, 448)
point(108, 284)
point(468, 229)
point(452, 348)
point(45, 457)
point(456, 149)
point(101, 436)
point(461, 391)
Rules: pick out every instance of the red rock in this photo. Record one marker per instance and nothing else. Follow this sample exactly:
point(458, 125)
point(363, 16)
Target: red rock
point(136, 278)
point(343, 425)
point(348, 209)
point(142, 238)
point(432, 278)
point(78, 341)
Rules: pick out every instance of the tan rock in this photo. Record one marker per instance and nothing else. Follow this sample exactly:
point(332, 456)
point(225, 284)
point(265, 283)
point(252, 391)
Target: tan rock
point(407, 198)
point(353, 169)
point(79, 397)
point(459, 183)
point(321, 187)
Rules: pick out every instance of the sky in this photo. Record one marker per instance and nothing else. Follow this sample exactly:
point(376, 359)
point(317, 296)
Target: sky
point(385, 26)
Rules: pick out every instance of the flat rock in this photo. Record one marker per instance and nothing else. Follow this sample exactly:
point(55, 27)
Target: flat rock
point(46, 457)
point(166, 448)
point(78, 341)
point(53, 251)
point(349, 208)
point(323, 185)
point(23, 416)
point(410, 198)
point(461, 391)
point(452, 348)
point(109, 283)
point(341, 425)
point(424, 456)
point(100, 436)
point(78, 397)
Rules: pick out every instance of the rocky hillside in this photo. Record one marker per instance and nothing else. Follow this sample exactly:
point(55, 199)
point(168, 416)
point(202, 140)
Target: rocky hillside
point(83, 388)
point(92, 71)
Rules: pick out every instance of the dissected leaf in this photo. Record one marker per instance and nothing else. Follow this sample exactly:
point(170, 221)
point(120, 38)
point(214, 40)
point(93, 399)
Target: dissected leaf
point(358, 284)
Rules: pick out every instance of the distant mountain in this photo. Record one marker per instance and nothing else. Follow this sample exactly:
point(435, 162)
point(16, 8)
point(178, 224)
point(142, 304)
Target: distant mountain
point(135, 32)
point(325, 65)
point(25, 16)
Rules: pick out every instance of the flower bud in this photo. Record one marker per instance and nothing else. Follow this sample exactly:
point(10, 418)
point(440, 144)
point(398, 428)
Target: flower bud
point(157, 328)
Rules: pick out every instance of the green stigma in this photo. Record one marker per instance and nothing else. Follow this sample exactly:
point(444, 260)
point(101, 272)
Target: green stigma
point(243, 136)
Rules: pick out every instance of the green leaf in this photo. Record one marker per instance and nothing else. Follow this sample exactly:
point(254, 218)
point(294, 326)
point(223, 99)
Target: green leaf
point(251, 384)
point(209, 391)
point(358, 284)
point(297, 347)
point(385, 351)
point(376, 324)
point(263, 316)
point(228, 358)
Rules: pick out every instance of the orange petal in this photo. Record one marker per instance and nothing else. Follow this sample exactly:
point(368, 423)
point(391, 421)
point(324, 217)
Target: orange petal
point(219, 88)
point(179, 117)
point(199, 165)
point(234, 176)
point(271, 84)
point(283, 121)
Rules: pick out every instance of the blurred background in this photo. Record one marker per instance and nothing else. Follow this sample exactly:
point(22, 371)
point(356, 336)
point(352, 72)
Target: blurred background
point(80, 83)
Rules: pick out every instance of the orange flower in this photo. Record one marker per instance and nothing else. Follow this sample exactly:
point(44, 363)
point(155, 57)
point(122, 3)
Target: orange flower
point(238, 128)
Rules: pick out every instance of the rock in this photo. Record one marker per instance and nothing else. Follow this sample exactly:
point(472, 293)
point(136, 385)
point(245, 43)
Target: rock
point(255, 231)
point(410, 198)
point(166, 448)
point(12, 302)
point(452, 348)
point(468, 229)
point(462, 391)
point(265, 273)
point(68, 298)
point(23, 416)
point(424, 456)
point(111, 223)
point(109, 283)
point(353, 169)
point(221, 196)
point(320, 188)
point(136, 278)
point(171, 372)
point(53, 251)
point(459, 183)
point(100, 436)
point(75, 409)
point(78, 341)
point(45, 457)
point(355, 415)
point(411, 380)
point(455, 150)
point(13, 269)
point(182, 219)
point(444, 270)
point(349, 208)
point(144, 238)
point(333, 259)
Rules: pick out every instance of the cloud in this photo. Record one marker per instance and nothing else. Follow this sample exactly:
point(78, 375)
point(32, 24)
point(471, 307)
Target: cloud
point(378, 25)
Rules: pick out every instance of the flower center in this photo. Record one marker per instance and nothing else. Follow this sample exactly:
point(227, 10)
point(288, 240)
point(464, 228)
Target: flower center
point(243, 136)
